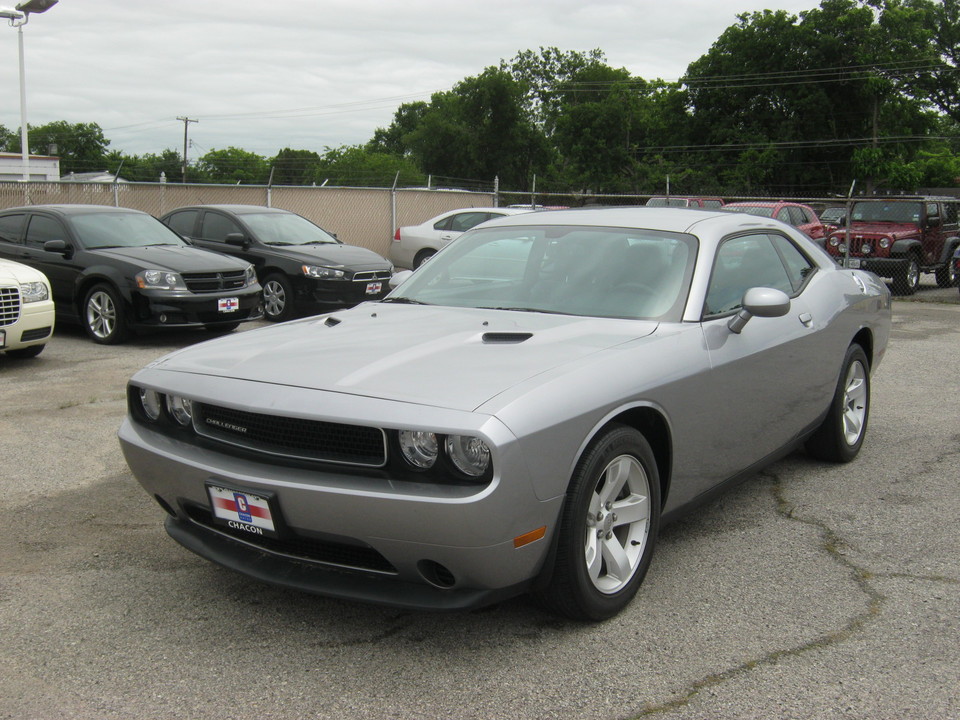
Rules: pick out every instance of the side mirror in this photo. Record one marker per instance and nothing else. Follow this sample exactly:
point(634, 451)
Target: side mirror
point(238, 239)
point(399, 278)
point(58, 246)
point(759, 302)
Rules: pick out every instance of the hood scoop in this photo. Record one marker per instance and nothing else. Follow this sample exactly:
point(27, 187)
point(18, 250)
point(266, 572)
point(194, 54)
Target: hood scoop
point(506, 338)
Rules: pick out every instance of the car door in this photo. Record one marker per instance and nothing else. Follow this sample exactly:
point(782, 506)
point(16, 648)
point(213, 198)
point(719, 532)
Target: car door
point(62, 269)
point(456, 225)
point(765, 383)
point(212, 234)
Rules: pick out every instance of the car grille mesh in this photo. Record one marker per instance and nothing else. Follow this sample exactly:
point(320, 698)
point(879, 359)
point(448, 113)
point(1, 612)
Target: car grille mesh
point(294, 438)
point(9, 305)
point(214, 281)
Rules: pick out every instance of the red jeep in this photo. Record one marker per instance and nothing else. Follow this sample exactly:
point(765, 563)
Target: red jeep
point(900, 239)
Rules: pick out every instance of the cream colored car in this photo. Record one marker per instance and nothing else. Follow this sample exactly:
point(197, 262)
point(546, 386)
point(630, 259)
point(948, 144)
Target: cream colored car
point(26, 310)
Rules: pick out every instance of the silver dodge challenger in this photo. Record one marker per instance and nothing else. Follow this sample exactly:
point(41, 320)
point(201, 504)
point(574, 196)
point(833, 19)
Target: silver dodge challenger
point(521, 414)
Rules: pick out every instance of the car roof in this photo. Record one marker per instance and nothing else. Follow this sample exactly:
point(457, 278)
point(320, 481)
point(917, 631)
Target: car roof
point(65, 209)
point(680, 220)
point(236, 209)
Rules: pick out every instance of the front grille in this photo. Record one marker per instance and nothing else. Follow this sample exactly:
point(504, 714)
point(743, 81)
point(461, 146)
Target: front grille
point(371, 275)
point(9, 305)
point(215, 281)
point(360, 557)
point(294, 438)
point(35, 334)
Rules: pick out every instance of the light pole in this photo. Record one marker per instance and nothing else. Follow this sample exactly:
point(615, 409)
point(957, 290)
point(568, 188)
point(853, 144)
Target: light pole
point(18, 18)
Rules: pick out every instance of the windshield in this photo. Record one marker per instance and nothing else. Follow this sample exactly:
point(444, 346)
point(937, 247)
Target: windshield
point(588, 271)
point(287, 229)
point(106, 230)
point(757, 210)
point(898, 212)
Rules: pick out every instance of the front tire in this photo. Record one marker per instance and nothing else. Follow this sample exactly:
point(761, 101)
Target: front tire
point(947, 275)
point(608, 528)
point(277, 298)
point(104, 315)
point(907, 279)
point(841, 435)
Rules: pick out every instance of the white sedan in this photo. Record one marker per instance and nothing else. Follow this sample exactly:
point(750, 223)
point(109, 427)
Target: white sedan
point(26, 310)
point(413, 244)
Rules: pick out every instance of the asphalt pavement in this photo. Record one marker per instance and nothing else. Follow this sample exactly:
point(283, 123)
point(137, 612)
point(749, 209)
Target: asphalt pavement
point(810, 591)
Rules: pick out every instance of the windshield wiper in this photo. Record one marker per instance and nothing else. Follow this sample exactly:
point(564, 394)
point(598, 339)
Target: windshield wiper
point(525, 309)
point(403, 301)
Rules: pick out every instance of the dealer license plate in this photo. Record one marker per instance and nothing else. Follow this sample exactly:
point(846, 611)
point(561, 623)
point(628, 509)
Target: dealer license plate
point(228, 305)
point(374, 288)
point(248, 512)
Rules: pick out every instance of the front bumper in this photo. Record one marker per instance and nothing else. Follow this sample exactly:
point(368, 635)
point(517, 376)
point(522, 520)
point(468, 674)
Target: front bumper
point(329, 294)
point(154, 309)
point(884, 267)
point(352, 535)
point(34, 327)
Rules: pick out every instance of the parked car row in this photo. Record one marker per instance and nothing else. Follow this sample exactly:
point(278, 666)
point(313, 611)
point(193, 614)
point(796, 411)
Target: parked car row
point(116, 271)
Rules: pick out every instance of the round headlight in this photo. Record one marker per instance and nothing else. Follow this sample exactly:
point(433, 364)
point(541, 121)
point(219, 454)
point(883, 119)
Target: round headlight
point(150, 402)
point(181, 409)
point(884, 243)
point(834, 242)
point(419, 448)
point(470, 454)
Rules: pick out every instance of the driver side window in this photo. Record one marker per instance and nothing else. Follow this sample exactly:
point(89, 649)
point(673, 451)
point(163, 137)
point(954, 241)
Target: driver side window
point(742, 263)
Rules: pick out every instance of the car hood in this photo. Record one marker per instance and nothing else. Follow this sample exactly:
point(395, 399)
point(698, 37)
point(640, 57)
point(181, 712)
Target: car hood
point(442, 357)
point(895, 230)
point(346, 256)
point(172, 257)
point(14, 273)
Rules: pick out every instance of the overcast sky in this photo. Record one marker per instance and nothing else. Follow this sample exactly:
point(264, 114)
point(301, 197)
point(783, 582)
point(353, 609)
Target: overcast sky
point(308, 74)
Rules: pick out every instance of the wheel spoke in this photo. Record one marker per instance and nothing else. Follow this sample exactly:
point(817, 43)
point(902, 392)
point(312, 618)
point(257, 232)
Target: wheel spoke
point(593, 556)
point(614, 479)
point(618, 562)
point(634, 508)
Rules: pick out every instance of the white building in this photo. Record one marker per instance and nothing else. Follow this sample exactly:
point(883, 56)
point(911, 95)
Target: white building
point(43, 168)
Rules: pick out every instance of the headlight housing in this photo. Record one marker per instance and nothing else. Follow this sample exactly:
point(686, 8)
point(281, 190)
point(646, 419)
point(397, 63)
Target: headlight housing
point(324, 273)
point(160, 280)
point(464, 457)
point(34, 292)
point(250, 277)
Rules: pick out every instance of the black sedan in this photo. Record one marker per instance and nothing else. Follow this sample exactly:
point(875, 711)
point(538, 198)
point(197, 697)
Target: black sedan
point(301, 266)
point(116, 270)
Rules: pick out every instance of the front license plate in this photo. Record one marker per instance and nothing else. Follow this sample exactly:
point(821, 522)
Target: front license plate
point(228, 305)
point(374, 288)
point(853, 263)
point(252, 513)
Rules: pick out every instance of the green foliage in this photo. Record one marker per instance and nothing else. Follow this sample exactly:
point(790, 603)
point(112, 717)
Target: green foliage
point(359, 166)
point(80, 146)
point(147, 167)
point(294, 167)
point(233, 166)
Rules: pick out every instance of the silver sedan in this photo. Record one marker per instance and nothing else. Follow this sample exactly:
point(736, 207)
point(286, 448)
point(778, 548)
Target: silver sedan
point(522, 413)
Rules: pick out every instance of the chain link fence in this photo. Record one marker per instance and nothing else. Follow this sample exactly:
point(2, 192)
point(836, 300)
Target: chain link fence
point(908, 240)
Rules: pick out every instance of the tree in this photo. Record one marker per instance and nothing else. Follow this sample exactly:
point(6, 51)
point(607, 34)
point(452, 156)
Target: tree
point(234, 166)
point(393, 140)
point(148, 167)
point(358, 166)
point(294, 167)
point(6, 140)
point(80, 146)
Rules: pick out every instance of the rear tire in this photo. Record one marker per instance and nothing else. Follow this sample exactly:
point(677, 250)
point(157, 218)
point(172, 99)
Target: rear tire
point(947, 275)
point(422, 257)
point(608, 528)
point(841, 435)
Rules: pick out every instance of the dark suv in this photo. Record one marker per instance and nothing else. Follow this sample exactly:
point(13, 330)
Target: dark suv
point(901, 238)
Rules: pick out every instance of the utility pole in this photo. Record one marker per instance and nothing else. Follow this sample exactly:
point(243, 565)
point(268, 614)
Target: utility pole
point(186, 123)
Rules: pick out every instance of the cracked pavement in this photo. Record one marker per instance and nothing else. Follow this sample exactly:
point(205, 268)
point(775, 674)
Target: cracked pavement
point(809, 591)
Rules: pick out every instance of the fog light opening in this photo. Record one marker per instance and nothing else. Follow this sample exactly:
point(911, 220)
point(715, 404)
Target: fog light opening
point(436, 574)
point(163, 317)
